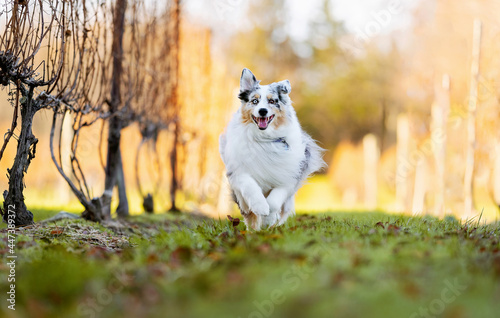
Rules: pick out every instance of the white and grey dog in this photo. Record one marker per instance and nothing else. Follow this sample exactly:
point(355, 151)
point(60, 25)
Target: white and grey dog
point(267, 154)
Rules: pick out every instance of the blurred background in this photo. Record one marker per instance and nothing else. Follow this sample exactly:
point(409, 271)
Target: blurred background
point(399, 93)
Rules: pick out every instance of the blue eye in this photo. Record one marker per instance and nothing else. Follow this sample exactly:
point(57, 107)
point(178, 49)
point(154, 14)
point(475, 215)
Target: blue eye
point(255, 101)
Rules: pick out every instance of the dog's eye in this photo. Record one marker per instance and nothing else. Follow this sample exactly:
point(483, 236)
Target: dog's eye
point(271, 101)
point(255, 101)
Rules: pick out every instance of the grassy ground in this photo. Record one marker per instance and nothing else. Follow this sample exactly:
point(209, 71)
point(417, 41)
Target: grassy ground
point(321, 265)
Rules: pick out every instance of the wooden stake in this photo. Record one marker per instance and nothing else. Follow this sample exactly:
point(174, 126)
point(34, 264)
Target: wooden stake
point(403, 167)
point(371, 157)
point(419, 188)
point(440, 112)
point(471, 122)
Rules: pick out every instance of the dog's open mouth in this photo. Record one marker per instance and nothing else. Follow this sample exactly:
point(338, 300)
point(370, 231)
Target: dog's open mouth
point(262, 122)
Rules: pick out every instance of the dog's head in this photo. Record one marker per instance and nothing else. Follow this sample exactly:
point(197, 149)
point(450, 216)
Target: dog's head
point(265, 106)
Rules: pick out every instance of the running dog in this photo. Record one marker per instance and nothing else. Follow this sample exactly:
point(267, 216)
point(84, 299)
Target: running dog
point(266, 153)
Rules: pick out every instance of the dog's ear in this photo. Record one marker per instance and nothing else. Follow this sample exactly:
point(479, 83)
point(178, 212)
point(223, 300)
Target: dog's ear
point(248, 81)
point(284, 87)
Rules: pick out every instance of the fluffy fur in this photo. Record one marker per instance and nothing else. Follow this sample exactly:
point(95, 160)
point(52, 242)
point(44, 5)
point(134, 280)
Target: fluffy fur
point(266, 153)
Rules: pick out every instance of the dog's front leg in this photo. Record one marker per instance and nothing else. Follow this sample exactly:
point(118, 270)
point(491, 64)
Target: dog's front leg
point(250, 192)
point(276, 199)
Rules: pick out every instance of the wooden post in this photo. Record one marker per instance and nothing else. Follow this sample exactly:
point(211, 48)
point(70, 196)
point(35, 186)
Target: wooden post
point(471, 122)
point(371, 157)
point(402, 163)
point(440, 112)
point(420, 188)
point(495, 176)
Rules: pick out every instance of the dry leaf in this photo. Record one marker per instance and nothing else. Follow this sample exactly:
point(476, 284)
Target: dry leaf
point(57, 232)
point(235, 221)
point(380, 224)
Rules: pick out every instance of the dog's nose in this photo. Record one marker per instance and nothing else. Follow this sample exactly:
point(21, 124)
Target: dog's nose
point(263, 112)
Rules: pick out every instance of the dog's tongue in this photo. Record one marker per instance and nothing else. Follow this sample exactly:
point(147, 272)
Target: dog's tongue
point(262, 122)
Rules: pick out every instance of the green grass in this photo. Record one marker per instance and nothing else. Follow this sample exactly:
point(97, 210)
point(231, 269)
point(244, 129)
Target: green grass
point(321, 265)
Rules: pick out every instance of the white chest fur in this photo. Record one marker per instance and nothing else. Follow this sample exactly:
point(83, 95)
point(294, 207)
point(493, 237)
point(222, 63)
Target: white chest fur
point(272, 159)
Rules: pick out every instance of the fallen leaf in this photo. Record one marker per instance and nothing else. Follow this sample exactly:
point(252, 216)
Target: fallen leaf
point(393, 228)
point(152, 258)
point(235, 221)
point(153, 296)
point(264, 248)
point(211, 243)
point(180, 256)
point(310, 243)
point(215, 256)
point(411, 290)
point(298, 257)
point(234, 277)
point(358, 260)
point(337, 279)
point(57, 232)
point(380, 224)
point(496, 264)
point(274, 236)
point(98, 252)
point(157, 269)
point(223, 235)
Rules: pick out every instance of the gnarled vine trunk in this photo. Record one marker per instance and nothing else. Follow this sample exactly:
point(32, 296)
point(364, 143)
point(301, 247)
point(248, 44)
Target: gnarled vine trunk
point(114, 169)
point(174, 182)
point(26, 149)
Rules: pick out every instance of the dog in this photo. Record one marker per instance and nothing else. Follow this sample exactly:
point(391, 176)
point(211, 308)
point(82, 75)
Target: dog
point(266, 153)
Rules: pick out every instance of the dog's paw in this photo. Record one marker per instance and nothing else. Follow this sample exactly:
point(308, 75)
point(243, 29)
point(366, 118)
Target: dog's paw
point(274, 206)
point(270, 220)
point(260, 208)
